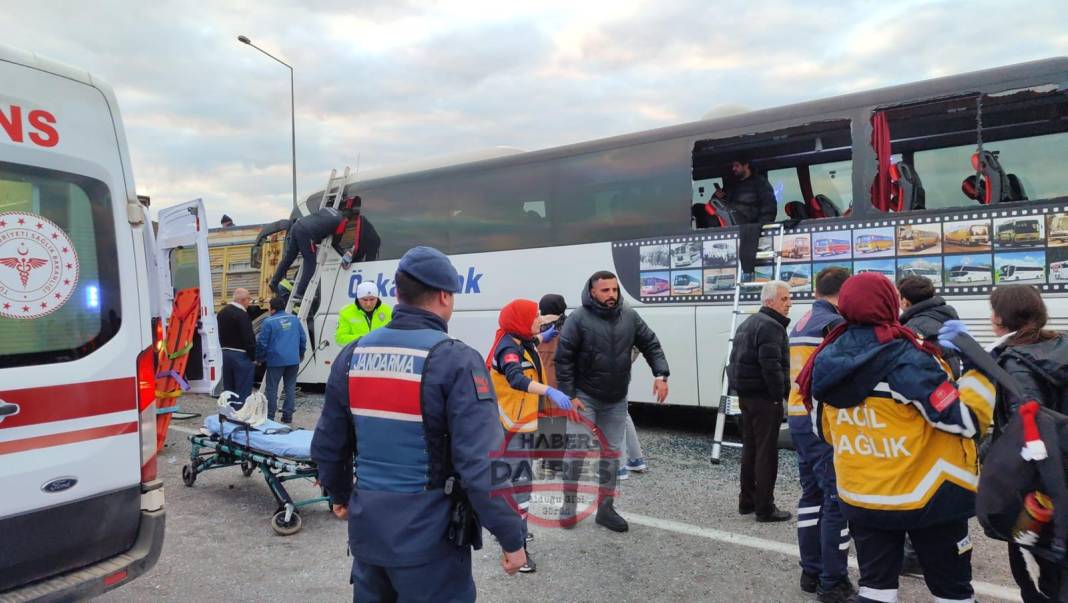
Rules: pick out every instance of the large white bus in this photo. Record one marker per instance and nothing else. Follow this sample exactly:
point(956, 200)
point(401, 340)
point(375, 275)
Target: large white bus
point(527, 224)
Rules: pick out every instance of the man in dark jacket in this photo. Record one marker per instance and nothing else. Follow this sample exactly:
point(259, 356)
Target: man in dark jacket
point(593, 367)
point(925, 313)
point(759, 371)
point(238, 343)
point(750, 198)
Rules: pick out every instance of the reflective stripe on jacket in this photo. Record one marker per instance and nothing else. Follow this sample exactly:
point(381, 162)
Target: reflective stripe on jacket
point(518, 408)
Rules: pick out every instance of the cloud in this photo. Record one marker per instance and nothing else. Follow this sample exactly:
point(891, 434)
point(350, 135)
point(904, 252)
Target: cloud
point(393, 81)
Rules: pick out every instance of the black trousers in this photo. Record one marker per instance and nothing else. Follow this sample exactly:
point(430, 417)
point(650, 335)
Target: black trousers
point(944, 552)
point(1048, 585)
point(761, 421)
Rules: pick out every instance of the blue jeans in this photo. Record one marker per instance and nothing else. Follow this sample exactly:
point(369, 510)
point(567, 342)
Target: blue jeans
point(238, 372)
point(822, 533)
point(288, 375)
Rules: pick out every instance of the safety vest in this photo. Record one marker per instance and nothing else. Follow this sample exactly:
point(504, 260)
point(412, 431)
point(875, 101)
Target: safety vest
point(353, 323)
point(889, 457)
point(385, 381)
point(518, 410)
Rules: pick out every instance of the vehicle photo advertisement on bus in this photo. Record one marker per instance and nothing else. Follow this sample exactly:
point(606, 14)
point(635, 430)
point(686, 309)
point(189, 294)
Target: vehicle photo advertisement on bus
point(972, 269)
point(873, 242)
point(654, 257)
point(883, 267)
point(919, 239)
point(685, 255)
point(720, 253)
point(719, 280)
point(930, 268)
point(655, 284)
point(797, 276)
point(1023, 267)
point(831, 245)
point(686, 282)
point(1057, 230)
point(1018, 232)
point(796, 248)
point(966, 236)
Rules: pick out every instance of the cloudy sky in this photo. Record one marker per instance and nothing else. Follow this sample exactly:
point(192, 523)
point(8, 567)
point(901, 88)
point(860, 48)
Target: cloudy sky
point(393, 81)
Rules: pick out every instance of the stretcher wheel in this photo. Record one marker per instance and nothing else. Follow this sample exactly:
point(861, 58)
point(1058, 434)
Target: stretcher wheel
point(189, 475)
point(247, 468)
point(283, 527)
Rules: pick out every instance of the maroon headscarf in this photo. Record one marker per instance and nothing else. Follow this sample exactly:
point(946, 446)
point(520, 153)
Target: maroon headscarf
point(865, 299)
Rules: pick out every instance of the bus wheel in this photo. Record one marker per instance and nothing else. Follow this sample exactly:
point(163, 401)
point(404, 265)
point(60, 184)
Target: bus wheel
point(189, 476)
point(283, 527)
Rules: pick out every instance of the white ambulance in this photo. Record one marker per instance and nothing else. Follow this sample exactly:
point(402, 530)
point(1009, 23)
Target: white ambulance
point(81, 313)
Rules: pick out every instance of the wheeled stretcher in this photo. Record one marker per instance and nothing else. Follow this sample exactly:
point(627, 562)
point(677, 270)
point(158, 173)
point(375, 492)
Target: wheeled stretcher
point(279, 452)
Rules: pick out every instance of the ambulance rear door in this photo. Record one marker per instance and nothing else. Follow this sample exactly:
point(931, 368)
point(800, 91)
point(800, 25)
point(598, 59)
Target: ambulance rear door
point(182, 263)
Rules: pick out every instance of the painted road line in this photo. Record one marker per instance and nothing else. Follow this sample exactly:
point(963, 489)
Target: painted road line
point(981, 588)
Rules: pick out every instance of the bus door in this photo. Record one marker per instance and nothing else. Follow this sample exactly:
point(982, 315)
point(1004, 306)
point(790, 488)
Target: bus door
point(182, 265)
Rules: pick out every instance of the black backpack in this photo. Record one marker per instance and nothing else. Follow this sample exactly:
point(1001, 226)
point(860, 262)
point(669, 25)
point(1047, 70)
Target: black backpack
point(1007, 476)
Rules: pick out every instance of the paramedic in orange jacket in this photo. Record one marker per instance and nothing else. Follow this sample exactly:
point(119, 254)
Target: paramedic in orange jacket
point(904, 438)
point(515, 369)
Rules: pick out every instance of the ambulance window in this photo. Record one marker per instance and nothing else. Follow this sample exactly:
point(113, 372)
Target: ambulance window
point(55, 305)
point(185, 273)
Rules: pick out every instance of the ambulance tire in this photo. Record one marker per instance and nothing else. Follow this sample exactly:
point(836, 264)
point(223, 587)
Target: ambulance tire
point(189, 476)
point(247, 468)
point(283, 527)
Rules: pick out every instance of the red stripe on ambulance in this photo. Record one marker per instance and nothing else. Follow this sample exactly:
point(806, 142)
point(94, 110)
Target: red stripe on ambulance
point(71, 401)
point(70, 437)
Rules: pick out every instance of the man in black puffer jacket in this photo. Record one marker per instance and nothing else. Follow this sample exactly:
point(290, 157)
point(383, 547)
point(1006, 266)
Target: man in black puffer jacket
point(593, 367)
point(759, 371)
point(925, 313)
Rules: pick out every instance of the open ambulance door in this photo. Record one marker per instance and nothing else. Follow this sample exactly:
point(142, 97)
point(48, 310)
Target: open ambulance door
point(185, 291)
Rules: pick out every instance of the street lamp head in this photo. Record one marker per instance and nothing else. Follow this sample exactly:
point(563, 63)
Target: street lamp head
point(244, 39)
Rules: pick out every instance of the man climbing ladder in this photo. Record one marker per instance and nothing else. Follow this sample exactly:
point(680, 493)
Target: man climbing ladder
point(306, 234)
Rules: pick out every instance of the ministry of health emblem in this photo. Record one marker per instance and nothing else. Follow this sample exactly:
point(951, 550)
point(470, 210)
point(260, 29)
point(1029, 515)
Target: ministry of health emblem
point(38, 266)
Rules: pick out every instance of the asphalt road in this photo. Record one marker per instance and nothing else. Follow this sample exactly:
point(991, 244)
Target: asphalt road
point(686, 541)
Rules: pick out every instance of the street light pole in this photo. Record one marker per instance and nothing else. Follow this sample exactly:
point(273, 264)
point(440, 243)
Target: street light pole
point(292, 111)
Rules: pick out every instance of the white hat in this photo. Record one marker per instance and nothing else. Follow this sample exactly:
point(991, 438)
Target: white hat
point(366, 289)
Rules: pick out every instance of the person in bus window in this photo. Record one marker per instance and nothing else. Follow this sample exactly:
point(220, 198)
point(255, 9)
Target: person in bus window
point(516, 372)
point(364, 315)
point(749, 196)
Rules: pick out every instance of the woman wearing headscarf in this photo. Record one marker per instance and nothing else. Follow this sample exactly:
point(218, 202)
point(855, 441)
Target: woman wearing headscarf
point(516, 371)
point(1038, 360)
point(904, 442)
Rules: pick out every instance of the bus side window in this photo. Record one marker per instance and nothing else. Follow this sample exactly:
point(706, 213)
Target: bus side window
point(1023, 130)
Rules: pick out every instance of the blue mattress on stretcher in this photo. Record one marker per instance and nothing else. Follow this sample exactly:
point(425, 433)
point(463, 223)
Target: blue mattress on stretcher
point(271, 437)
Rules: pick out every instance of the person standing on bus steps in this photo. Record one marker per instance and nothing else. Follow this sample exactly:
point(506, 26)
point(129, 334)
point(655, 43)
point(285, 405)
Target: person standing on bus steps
point(304, 237)
point(822, 533)
point(759, 371)
point(924, 312)
point(750, 197)
point(238, 343)
point(281, 345)
point(515, 368)
point(903, 434)
point(366, 314)
point(593, 368)
point(422, 408)
point(1038, 360)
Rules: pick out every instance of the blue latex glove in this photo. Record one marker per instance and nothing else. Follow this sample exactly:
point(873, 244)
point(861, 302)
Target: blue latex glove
point(549, 334)
point(558, 398)
point(346, 260)
point(949, 331)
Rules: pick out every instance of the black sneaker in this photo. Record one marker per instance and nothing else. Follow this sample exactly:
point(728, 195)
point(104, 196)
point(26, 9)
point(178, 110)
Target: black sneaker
point(775, 515)
point(809, 583)
point(607, 517)
point(841, 592)
point(287, 419)
point(529, 567)
point(744, 510)
point(529, 537)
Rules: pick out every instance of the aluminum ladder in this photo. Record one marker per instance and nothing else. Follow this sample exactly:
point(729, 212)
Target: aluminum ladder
point(728, 404)
point(332, 194)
